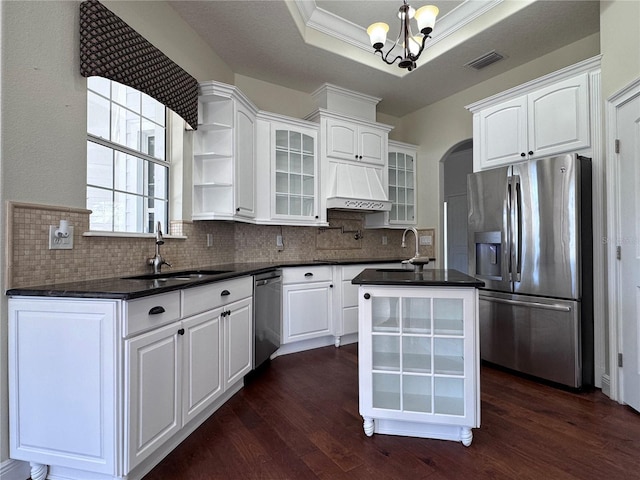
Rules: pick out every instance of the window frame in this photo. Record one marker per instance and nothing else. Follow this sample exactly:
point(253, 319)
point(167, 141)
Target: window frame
point(149, 161)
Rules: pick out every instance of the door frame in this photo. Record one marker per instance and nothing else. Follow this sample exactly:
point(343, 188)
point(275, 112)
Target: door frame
point(614, 222)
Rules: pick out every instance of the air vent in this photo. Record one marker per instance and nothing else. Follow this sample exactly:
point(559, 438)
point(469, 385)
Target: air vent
point(484, 60)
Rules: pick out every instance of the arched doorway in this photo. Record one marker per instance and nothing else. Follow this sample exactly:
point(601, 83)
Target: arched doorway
point(457, 164)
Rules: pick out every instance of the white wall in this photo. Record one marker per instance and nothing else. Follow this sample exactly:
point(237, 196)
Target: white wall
point(620, 44)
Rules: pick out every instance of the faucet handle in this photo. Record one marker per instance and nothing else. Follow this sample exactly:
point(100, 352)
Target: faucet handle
point(164, 262)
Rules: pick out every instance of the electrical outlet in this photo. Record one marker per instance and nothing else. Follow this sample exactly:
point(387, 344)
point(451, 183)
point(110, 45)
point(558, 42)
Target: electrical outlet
point(209, 239)
point(60, 243)
point(279, 243)
point(426, 240)
point(384, 239)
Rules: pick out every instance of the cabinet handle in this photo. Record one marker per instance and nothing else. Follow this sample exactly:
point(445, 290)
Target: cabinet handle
point(228, 312)
point(367, 296)
point(181, 331)
point(225, 293)
point(308, 274)
point(156, 310)
point(523, 154)
point(530, 152)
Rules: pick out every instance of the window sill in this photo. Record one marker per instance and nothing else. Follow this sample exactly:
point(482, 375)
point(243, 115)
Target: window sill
point(97, 233)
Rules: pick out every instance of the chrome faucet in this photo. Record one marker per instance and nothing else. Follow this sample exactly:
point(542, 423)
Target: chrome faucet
point(417, 261)
point(157, 261)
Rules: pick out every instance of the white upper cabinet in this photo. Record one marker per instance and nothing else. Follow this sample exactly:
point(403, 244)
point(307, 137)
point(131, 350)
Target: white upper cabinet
point(288, 171)
point(559, 117)
point(355, 141)
point(224, 179)
point(545, 117)
point(401, 168)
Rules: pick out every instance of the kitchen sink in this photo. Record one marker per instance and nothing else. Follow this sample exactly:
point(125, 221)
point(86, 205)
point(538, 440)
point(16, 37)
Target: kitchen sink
point(185, 276)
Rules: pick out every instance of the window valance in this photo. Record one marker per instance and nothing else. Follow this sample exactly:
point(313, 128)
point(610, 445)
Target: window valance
point(111, 49)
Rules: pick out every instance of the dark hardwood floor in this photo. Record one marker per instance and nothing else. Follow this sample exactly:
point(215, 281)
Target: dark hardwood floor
point(299, 420)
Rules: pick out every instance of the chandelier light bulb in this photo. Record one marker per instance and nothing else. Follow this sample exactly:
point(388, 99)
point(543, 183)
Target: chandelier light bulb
point(426, 18)
point(408, 45)
point(378, 34)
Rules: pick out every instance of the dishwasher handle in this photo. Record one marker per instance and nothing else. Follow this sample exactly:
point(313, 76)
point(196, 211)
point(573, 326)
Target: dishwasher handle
point(260, 283)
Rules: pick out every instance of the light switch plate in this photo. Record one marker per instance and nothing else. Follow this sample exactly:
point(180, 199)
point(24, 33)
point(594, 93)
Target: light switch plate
point(60, 243)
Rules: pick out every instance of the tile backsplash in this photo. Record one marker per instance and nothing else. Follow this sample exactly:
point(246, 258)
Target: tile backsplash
point(30, 262)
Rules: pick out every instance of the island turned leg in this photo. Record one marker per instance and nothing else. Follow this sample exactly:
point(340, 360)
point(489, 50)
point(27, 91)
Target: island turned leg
point(466, 436)
point(38, 471)
point(368, 426)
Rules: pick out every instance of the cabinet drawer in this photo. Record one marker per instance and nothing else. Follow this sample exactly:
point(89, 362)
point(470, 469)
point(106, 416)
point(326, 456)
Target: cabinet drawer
point(207, 297)
point(150, 312)
point(306, 274)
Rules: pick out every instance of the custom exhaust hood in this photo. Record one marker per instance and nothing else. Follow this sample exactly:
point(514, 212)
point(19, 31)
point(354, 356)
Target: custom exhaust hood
point(356, 187)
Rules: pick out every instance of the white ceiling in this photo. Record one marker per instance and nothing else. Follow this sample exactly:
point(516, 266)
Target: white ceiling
point(303, 44)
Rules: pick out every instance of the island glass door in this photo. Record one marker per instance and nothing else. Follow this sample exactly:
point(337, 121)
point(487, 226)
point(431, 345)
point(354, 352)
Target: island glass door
point(418, 352)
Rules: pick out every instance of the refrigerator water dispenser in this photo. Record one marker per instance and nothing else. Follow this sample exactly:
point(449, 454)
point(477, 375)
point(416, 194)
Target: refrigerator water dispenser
point(488, 254)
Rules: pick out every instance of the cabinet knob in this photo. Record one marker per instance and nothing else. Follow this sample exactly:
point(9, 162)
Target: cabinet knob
point(181, 331)
point(530, 152)
point(331, 286)
point(238, 209)
point(225, 293)
point(367, 296)
point(359, 157)
point(156, 310)
point(523, 154)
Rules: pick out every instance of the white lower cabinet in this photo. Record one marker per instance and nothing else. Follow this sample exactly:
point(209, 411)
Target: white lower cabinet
point(346, 299)
point(202, 363)
point(418, 361)
point(104, 389)
point(238, 341)
point(154, 400)
point(64, 385)
point(307, 294)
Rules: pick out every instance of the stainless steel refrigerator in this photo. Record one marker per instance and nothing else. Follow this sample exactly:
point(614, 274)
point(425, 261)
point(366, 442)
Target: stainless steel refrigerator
point(530, 240)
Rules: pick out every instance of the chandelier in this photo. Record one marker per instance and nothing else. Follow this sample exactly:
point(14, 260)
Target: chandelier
point(410, 45)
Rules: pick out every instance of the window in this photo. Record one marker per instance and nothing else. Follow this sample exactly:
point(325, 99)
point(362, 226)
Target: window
point(127, 171)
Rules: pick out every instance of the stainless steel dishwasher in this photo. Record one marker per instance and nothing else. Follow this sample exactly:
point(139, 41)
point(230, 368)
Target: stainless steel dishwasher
point(267, 315)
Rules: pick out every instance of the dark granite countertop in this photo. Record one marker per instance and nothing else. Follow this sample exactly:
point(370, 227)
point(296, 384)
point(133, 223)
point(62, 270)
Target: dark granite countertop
point(128, 288)
point(426, 278)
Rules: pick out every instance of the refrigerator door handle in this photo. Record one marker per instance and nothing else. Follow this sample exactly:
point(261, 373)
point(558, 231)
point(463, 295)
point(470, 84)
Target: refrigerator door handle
point(517, 240)
point(555, 307)
point(509, 227)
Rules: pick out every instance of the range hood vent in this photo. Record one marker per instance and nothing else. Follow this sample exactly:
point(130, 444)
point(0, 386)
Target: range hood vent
point(356, 187)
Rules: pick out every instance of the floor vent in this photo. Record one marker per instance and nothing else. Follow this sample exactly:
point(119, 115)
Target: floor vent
point(484, 60)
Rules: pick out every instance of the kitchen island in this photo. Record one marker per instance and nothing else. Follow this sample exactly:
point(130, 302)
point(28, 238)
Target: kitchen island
point(418, 353)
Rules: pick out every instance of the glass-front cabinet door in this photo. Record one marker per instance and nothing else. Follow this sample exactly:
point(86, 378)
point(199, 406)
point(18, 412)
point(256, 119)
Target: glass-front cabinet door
point(402, 186)
point(295, 179)
point(418, 359)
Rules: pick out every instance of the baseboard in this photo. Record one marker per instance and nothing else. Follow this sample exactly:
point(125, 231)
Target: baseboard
point(606, 385)
point(14, 470)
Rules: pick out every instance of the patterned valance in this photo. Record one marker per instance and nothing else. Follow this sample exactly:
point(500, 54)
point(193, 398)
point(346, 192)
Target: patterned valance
point(111, 49)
